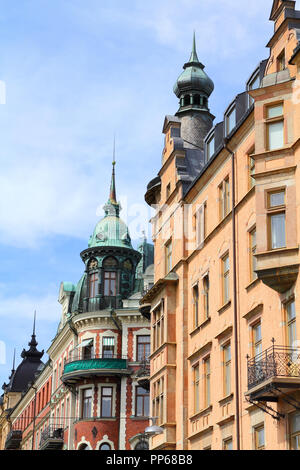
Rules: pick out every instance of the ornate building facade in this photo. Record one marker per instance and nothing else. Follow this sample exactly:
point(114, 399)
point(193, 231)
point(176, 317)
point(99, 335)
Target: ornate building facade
point(224, 308)
point(93, 393)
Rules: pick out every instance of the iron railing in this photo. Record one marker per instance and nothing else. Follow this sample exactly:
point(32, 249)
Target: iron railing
point(13, 439)
point(144, 368)
point(52, 433)
point(276, 361)
point(82, 355)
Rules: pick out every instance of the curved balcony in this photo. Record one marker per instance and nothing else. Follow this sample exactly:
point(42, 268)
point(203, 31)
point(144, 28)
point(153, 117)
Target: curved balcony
point(81, 366)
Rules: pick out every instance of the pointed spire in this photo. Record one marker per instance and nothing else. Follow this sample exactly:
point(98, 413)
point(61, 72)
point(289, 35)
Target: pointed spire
point(112, 194)
point(194, 56)
point(32, 352)
point(14, 361)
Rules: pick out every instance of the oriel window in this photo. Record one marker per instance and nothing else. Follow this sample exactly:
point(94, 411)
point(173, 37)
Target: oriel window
point(276, 219)
point(275, 127)
point(253, 263)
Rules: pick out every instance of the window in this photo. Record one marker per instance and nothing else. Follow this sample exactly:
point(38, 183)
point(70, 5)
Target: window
point(158, 327)
point(143, 347)
point(275, 127)
point(106, 402)
point(230, 120)
point(253, 84)
point(225, 279)
point(291, 333)
point(142, 445)
point(259, 437)
point(158, 400)
point(281, 61)
point(276, 219)
point(105, 446)
point(196, 306)
point(86, 403)
point(227, 369)
point(168, 190)
point(84, 447)
point(227, 444)
point(251, 171)
point(93, 285)
point(206, 367)
point(110, 279)
point(224, 198)
point(196, 388)
point(87, 348)
point(168, 257)
point(141, 402)
point(294, 423)
point(206, 296)
point(210, 148)
point(108, 347)
point(201, 223)
point(253, 263)
point(256, 339)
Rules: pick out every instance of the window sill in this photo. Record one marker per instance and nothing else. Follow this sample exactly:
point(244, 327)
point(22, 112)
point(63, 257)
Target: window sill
point(224, 307)
point(202, 325)
point(201, 413)
point(139, 418)
point(252, 284)
point(226, 399)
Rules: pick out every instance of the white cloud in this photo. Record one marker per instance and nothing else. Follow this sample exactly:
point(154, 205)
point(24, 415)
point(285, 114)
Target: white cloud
point(23, 306)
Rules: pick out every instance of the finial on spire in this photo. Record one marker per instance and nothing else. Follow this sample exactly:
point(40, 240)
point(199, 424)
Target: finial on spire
point(194, 56)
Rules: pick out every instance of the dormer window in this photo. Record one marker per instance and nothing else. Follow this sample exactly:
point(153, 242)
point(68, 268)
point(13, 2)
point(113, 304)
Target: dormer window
point(253, 84)
point(281, 61)
point(230, 119)
point(210, 147)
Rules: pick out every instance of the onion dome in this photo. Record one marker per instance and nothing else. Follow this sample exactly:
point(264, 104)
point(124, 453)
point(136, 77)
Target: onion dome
point(194, 86)
point(111, 230)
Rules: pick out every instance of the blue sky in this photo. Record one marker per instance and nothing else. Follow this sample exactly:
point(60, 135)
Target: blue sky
point(76, 72)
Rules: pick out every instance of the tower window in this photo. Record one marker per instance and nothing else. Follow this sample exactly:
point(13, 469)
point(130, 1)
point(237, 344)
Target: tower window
point(93, 284)
point(197, 100)
point(187, 100)
point(110, 283)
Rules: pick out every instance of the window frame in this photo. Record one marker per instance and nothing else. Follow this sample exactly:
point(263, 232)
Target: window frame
point(225, 278)
point(145, 396)
point(256, 430)
point(111, 396)
point(269, 121)
point(82, 402)
point(252, 252)
point(224, 198)
point(227, 366)
point(168, 256)
point(275, 211)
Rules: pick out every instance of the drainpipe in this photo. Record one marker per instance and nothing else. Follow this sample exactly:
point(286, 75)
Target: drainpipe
point(34, 417)
point(235, 312)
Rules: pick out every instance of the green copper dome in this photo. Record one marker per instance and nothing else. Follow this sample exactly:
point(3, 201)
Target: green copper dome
point(111, 230)
point(193, 78)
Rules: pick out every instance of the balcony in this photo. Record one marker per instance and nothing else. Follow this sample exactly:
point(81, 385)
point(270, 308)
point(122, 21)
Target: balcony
point(273, 373)
point(52, 438)
point(143, 375)
point(13, 440)
point(81, 366)
point(278, 269)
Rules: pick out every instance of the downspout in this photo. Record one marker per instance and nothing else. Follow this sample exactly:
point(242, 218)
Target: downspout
point(34, 417)
point(235, 312)
point(72, 401)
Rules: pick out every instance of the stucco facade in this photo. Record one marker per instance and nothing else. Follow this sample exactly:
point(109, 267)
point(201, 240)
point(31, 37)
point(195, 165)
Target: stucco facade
point(225, 305)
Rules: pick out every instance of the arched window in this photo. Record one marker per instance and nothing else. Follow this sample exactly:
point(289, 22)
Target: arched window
point(142, 445)
point(110, 262)
point(105, 446)
point(84, 447)
point(187, 100)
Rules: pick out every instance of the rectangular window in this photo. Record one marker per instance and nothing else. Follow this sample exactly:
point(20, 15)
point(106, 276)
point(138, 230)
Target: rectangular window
point(275, 127)
point(168, 190)
point(110, 283)
point(143, 348)
point(259, 437)
point(201, 224)
point(88, 349)
point(106, 402)
point(251, 171)
point(206, 367)
point(196, 305)
point(158, 327)
point(168, 250)
point(277, 220)
point(256, 339)
point(158, 400)
point(253, 85)
point(224, 199)
point(253, 263)
point(93, 285)
point(225, 279)
point(141, 402)
point(227, 444)
point(196, 388)
point(210, 148)
point(291, 324)
point(281, 61)
point(108, 347)
point(230, 120)
point(294, 424)
point(227, 368)
point(206, 296)
point(86, 403)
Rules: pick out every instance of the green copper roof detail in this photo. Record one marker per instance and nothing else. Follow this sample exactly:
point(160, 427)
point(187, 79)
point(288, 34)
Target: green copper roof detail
point(194, 56)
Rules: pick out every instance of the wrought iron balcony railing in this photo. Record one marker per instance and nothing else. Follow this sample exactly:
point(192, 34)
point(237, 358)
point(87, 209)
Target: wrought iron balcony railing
point(52, 437)
point(276, 361)
point(13, 439)
point(82, 355)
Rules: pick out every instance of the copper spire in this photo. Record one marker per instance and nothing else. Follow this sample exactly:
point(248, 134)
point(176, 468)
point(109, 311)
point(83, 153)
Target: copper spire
point(112, 195)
